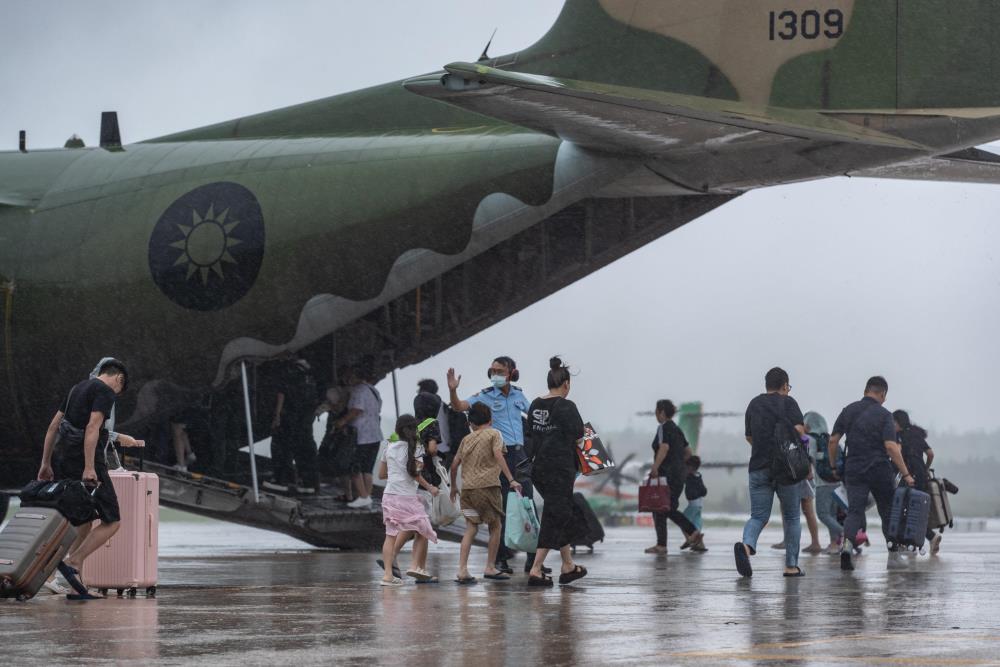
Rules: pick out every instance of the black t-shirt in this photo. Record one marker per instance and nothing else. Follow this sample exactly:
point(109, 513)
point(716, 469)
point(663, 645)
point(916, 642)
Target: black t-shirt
point(761, 418)
point(87, 397)
point(867, 426)
point(555, 425)
point(299, 388)
point(670, 433)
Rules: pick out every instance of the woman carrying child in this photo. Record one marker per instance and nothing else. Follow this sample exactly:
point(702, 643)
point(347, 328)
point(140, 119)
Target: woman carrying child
point(402, 511)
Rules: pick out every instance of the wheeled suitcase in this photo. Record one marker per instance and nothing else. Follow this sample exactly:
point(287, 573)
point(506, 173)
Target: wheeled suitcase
point(940, 515)
point(31, 546)
point(908, 518)
point(127, 562)
point(595, 531)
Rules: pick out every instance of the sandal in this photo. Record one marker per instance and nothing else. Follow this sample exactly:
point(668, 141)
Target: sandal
point(499, 576)
point(429, 580)
point(798, 573)
point(542, 581)
point(395, 581)
point(465, 581)
point(578, 572)
point(419, 575)
point(742, 560)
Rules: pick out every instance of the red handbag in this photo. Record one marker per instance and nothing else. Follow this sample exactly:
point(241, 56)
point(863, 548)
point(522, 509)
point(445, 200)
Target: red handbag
point(654, 495)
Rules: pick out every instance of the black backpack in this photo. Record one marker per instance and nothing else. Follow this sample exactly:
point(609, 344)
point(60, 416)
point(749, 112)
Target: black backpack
point(458, 426)
point(790, 462)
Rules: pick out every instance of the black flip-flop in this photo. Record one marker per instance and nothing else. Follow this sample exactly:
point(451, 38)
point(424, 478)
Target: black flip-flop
point(578, 572)
point(542, 581)
point(797, 573)
point(432, 580)
point(742, 560)
point(465, 581)
point(70, 575)
point(497, 577)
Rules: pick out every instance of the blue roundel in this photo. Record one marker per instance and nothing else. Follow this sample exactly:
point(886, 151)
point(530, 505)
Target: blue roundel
point(206, 249)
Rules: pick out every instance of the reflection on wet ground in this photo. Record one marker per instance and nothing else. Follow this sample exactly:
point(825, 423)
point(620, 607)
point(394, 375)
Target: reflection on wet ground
point(233, 596)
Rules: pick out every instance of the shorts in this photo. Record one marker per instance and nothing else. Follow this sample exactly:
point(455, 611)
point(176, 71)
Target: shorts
point(807, 489)
point(482, 505)
point(363, 458)
point(70, 466)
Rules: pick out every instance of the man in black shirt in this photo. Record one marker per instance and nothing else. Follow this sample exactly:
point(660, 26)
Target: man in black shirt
point(292, 432)
point(672, 450)
point(78, 426)
point(765, 417)
point(871, 444)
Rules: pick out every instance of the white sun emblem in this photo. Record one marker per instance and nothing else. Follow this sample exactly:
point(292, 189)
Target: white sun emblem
point(206, 244)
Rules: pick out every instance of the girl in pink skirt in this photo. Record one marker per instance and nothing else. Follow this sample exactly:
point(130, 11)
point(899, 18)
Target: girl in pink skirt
point(402, 510)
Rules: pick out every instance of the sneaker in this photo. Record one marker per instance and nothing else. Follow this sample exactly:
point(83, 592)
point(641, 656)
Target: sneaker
point(360, 503)
point(936, 544)
point(699, 546)
point(779, 545)
point(271, 485)
point(656, 549)
point(182, 468)
point(845, 561)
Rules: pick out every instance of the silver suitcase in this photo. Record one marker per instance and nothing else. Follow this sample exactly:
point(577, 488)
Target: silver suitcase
point(31, 546)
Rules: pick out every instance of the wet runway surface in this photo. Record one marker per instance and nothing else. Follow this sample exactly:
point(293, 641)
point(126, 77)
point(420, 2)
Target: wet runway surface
point(229, 596)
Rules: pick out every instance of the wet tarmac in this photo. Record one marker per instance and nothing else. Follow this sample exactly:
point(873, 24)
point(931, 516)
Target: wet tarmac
point(233, 596)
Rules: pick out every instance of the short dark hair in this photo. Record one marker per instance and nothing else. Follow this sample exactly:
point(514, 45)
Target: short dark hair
point(480, 414)
point(667, 407)
point(428, 385)
point(694, 462)
point(775, 379)
point(877, 385)
point(115, 367)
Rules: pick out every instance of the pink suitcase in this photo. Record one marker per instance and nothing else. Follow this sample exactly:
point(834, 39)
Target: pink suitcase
point(128, 561)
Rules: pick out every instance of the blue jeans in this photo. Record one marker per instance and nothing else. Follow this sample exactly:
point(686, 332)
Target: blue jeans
point(826, 510)
point(879, 481)
point(762, 490)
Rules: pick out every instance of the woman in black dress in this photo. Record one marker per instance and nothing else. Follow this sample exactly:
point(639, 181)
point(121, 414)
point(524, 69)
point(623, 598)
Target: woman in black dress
point(913, 440)
point(556, 427)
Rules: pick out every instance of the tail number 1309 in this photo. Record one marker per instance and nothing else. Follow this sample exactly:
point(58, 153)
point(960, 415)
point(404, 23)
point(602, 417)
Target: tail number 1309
point(809, 24)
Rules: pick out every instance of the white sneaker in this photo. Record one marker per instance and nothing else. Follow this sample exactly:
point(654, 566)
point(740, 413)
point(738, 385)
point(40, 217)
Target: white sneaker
point(360, 503)
point(936, 544)
point(180, 468)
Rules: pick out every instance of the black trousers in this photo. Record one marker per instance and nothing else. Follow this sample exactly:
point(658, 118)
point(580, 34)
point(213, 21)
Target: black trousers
point(294, 442)
point(879, 481)
point(562, 522)
point(676, 482)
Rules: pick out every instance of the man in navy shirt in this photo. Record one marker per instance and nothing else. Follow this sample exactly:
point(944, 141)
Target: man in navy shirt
point(871, 445)
point(508, 405)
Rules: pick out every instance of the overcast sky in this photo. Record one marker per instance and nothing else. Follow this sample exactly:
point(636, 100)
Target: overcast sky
point(834, 280)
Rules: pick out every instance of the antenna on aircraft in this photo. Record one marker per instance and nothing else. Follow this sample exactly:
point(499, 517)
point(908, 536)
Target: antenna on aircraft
point(486, 51)
point(22, 141)
point(111, 138)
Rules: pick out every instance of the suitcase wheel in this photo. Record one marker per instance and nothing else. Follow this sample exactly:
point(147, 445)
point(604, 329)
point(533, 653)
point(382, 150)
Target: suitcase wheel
point(103, 591)
point(121, 592)
point(132, 592)
point(151, 592)
point(22, 598)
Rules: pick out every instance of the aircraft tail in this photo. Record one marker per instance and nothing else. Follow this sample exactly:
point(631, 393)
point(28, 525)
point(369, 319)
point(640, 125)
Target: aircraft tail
point(840, 55)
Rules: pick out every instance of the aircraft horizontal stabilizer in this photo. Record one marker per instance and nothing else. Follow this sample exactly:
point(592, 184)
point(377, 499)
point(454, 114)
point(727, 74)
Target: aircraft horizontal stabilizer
point(968, 166)
point(632, 121)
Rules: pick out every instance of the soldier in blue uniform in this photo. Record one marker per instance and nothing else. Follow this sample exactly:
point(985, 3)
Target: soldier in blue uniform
point(508, 404)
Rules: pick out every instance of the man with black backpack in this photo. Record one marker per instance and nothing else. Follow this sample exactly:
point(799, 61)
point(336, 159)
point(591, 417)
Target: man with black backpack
point(774, 428)
point(871, 445)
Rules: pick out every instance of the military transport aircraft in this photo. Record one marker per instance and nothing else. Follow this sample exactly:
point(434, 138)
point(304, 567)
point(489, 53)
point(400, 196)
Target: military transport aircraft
point(368, 223)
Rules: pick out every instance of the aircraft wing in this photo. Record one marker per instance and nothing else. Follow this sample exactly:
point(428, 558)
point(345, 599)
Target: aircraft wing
point(968, 166)
point(14, 200)
point(633, 121)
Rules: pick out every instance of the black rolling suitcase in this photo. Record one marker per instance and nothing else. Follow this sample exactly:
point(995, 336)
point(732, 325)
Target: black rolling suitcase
point(908, 518)
point(595, 531)
point(31, 546)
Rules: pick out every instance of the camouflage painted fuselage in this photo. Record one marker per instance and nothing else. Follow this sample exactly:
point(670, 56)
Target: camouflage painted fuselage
point(263, 235)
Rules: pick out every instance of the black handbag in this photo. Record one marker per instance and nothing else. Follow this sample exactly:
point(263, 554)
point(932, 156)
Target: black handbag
point(69, 496)
point(790, 461)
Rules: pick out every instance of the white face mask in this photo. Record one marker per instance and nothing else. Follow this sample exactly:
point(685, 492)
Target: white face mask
point(499, 381)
